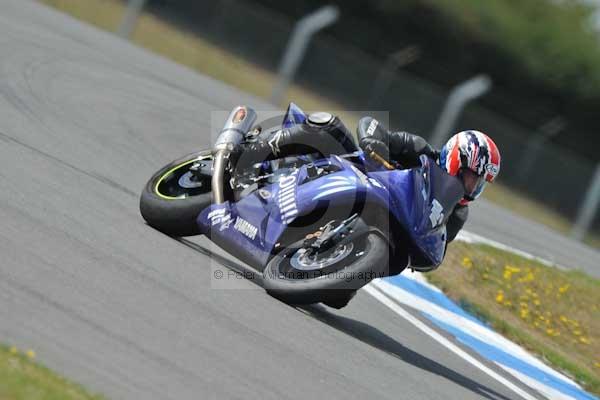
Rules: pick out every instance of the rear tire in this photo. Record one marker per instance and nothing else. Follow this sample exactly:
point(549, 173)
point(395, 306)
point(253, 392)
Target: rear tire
point(172, 208)
point(340, 300)
point(368, 260)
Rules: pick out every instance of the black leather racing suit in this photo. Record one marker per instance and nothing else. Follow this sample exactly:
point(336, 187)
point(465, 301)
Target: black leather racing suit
point(330, 136)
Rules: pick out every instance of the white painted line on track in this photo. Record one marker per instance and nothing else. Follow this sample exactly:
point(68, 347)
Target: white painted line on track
point(470, 237)
point(377, 294)
point(475, 329)
point(546, 390)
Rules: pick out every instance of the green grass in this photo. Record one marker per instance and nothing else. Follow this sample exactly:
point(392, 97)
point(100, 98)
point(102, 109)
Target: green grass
point(193, 51)
point(22, 378)
point(551, 312)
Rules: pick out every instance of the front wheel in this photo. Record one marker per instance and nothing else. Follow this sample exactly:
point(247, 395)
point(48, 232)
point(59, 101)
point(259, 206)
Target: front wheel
point(297, 277)
point(177, 193)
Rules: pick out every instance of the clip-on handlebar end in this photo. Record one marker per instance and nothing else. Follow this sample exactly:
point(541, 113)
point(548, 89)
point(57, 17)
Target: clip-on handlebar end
point(381, 160)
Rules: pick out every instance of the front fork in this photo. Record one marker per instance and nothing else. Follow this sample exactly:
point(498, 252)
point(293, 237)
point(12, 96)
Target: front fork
point(331, 238)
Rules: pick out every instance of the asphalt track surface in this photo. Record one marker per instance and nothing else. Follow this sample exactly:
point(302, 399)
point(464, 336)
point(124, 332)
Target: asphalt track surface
point(85, 119)
point(501, 225)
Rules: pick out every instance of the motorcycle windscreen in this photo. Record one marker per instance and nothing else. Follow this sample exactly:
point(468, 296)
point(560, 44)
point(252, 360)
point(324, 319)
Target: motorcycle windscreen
point(293, 116)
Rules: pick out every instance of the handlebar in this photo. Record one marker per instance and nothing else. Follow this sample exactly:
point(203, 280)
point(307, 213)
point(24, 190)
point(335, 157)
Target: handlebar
point(381, 160)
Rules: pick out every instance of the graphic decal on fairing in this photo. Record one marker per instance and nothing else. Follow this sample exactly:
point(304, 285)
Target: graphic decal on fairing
point(245, 228)
point(286, 198)
point(336, 184)
point(220, 216)
point(437, 213)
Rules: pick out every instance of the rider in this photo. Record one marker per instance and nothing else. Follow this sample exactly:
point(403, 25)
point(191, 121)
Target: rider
point(470, 155)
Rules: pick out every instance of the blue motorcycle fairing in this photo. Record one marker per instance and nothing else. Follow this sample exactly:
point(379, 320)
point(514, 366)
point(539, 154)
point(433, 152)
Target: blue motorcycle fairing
point(420, 199)
point(293, 116)
point(269, 211)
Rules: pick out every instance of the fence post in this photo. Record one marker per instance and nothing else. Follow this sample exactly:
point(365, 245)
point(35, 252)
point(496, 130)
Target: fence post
point(535, 145)
point(396, 60)
point(588, 208)
point(457, 100)
point(305, 28)
point(130, 17)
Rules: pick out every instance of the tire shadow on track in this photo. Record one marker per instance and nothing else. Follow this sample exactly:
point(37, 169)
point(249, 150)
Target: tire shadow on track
point(360, 331)
point(245, 270)
point(374, 337)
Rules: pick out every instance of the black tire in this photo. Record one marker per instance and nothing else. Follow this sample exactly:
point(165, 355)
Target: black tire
point(171, 215)
point(340, 300)
point(333, 290)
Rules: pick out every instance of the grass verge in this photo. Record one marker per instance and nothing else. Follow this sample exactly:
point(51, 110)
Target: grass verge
point(190, 50)
point(553, 313)
point(22, 378)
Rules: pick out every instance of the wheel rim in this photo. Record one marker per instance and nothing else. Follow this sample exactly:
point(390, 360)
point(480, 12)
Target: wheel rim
point(293, 267)
point(180, 182)
point(301, 260)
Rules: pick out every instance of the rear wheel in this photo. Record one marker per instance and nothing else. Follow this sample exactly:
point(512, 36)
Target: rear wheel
point(298, 277)
point(177, 193)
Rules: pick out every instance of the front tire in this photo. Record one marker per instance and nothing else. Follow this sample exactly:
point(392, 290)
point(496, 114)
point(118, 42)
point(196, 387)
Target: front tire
point(334, 286)
point(174, 196)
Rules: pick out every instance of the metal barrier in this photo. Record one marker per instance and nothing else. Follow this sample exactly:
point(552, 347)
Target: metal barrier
point(554, 176)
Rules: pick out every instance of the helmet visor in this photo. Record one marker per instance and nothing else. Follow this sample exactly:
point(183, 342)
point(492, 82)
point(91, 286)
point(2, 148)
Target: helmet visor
point(473, 183)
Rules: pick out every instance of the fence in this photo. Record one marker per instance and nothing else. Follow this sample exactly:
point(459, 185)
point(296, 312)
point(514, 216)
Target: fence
point(556, 177)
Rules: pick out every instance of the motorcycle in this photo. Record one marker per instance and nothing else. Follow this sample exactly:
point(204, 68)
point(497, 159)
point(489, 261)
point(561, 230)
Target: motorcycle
point(317, 227)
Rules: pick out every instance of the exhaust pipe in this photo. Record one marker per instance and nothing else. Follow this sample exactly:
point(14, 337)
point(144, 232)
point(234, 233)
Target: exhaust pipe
point(238, 123)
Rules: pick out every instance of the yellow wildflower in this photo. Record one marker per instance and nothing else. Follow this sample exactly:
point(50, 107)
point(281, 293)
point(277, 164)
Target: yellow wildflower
point(563, 289)
point(563, 318)
point(527, 278)
point(13, 350)
point(30, 354)
point(500, 296)
point(467, 263)
point(512, 269)
point(584, 340)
